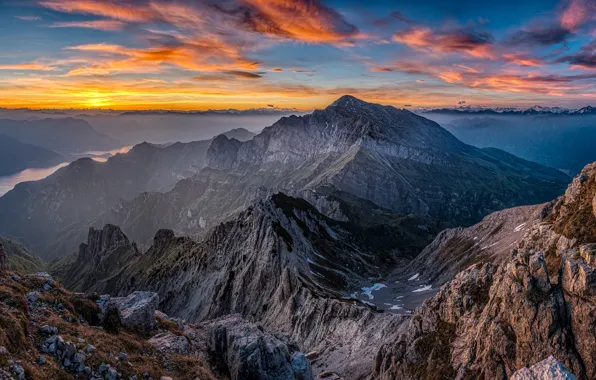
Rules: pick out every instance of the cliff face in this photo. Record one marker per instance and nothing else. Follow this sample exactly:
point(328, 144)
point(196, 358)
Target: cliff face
point(492, 320)
point(106, 253)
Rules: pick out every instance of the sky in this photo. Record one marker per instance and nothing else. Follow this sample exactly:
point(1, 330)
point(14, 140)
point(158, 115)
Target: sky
point(299, 54)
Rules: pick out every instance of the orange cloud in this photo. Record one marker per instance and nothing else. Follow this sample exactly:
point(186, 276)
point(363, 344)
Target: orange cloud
point(107, 25)
point(118, 10)
point(522, 60)
point(477, 44)
point(196, 55)
point(27, 66)
point(303, 20)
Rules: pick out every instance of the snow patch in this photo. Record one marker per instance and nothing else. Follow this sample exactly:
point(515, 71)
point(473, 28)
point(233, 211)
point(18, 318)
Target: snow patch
point(423, 288)
point(368, 291)
point(395, 307)
point(414, 277)
point(202, 222)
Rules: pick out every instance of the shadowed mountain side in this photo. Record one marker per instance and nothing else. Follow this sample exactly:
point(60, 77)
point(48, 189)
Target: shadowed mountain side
point(79, 192)
point(280, 262)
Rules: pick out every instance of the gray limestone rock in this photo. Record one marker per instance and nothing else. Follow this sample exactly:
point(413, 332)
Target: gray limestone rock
point(549, 368)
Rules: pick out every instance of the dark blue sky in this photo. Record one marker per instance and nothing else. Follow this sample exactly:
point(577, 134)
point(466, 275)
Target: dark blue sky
point(296, 53)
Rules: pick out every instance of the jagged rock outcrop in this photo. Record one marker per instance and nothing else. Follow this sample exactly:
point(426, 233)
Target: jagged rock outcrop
point(549, 368)
point(245, 351)
point(492, 320)
point(354, 151)
point(285, 265)
point(222, 152)
point(106, 252)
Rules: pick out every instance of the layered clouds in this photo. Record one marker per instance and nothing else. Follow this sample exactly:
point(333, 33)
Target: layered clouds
point(296, 53)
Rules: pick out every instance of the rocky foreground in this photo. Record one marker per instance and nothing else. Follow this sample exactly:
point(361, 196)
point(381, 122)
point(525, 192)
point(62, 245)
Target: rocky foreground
point(47, 332)
point(492, 320)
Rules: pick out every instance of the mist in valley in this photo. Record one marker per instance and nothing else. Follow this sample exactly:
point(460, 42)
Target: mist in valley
point(564, 142)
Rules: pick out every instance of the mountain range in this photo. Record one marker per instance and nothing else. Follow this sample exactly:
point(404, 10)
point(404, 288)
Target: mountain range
point(535, 110)
point(360, 241)
point(16, 156)
point(523, 277)
point(67, 135)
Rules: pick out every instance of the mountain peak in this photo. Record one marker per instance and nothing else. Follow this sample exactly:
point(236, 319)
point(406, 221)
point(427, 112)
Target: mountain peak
point(348, 101)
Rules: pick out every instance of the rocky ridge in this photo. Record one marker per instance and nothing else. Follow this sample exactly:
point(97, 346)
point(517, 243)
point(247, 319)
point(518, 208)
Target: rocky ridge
point(286, 266)
point(492, 320)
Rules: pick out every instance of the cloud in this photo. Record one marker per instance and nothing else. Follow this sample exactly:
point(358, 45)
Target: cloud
point(106, 25)
point(585, 58)
point(33, 66)
point(189, 53)
point(578, 13)
point(124, 11)
point(244, 74)
point(523, 60)
point(474, 43)
point(28, 18)
point(300, 20)
point(402, 66)
point(539, 35)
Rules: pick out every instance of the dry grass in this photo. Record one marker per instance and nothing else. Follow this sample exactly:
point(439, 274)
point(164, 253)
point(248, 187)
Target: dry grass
point(24, 341)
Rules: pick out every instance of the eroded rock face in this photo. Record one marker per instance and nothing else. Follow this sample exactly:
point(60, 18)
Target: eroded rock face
point(549, 368)
point(284, 265)
point(493, 320)
point(488, 322)
point(245, 351)
point(107, 250)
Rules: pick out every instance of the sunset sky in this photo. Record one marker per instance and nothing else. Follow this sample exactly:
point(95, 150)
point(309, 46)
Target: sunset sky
point(217, 54)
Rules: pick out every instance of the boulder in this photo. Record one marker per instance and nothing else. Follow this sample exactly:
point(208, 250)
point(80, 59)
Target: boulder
point(245, 351)
point(137, 310)
point(549, 368)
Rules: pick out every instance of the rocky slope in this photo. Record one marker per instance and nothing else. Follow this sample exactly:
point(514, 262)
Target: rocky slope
point(48, 333)
point(64, 204)
point(20, 258)
point(490, 240)
point(352, 150)
point(16, 156)
point(492, 320)
point(281, 263)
